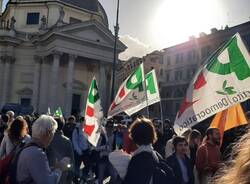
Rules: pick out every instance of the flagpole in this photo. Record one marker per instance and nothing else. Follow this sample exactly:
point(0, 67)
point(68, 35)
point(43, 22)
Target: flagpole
point(161, 115)
point(115, 51)
point(145, 90)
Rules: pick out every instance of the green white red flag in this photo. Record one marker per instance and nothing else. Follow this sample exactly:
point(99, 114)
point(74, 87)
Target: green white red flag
point(93, 114)
point(153, 95)
point(131, 90)
point(58, 113)
point(222, 82)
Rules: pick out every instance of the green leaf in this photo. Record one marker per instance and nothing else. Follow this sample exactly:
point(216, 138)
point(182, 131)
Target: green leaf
point(229, 88)
point(224, 84)
point(230, 91)
point(221, 93)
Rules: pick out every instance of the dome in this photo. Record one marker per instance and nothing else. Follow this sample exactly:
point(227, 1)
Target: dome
point(91, 5)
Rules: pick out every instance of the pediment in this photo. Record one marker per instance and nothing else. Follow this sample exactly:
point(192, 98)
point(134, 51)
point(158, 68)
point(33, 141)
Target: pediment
point(91, 31)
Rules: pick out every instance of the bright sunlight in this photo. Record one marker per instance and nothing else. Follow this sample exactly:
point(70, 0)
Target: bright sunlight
point(176, 20)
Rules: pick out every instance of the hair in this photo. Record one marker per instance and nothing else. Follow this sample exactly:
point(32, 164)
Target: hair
point(60, 123)
point(142, 132)
point(192, 136)
point(72, 118)
point(210, 131)
point(237, 170)
point(15, 129)
point(178, 139)
point(11, 114)
point(43, 125)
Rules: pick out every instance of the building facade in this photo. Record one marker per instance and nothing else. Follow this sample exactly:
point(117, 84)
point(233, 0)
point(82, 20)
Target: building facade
point(50, 51)
point(182, 61)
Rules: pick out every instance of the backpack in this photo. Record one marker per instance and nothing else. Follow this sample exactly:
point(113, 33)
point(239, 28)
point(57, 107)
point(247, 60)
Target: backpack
point(162, 173)
point(8, 165)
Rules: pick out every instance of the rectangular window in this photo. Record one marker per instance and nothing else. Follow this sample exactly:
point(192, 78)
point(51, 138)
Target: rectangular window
point(25, 101)
point(178, 75)
point(168, 60)
point(167, 76)
point(33, 18)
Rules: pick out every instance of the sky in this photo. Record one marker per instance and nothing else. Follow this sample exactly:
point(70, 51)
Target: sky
point(148, 25)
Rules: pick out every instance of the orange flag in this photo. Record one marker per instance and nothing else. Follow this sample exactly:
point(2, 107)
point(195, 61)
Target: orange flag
point(229, 118)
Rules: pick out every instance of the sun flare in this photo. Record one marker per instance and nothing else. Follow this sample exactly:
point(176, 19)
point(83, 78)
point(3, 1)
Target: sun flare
point(176, 20)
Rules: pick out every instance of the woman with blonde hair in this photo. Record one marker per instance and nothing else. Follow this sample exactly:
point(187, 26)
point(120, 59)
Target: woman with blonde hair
point(238, 169)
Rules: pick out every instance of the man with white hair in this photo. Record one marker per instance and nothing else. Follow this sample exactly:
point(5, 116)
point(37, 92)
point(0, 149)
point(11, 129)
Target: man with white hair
point(32, 163)
point(11, 114)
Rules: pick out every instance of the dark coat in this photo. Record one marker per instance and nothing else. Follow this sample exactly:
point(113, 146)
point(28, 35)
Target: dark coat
point(174, 164)
point(140, 169)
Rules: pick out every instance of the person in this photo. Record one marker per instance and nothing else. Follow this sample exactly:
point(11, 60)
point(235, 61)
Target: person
point(140, 168)
point(128, 145)
point(194, 141)
point(81, 148)
point(208, 155)
point(16, 133)
point(59, 148)
point(159, 145)
point(11, 115)
point(180, 163)
point(32, 163)
point(103, 148)
point(3, 126)
point(69, 127)
point(238, 169)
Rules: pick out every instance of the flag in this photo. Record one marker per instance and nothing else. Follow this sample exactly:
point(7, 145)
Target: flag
point(130, 92)
point(58, 113)
point(229, 118)
point(221, 83)
point(93, 114)
point(153, 95)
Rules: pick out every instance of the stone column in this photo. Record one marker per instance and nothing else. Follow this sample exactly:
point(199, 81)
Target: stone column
point(69, 85)
point(53, 102)
point(36, 82)
point(6, 77)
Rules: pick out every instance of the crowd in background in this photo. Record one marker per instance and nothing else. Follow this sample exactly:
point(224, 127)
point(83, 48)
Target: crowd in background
point(144, 151)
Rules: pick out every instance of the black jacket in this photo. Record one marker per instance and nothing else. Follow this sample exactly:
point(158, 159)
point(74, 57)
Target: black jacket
point(174, 164)
point(140, 169)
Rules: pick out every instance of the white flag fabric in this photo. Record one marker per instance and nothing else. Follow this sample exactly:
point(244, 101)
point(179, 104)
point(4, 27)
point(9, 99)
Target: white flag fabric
point(93, 114)
point(125, 97)
point(221, 83)
point(153, 95)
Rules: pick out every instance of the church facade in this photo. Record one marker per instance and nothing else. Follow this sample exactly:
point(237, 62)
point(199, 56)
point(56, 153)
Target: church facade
point(50, 51)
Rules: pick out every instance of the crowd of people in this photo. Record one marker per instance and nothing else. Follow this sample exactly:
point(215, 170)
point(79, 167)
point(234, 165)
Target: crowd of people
point(48, 150)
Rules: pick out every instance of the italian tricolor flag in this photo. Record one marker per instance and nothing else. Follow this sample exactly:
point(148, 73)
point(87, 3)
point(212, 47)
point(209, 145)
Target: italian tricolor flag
point(151, 94)
point(93, 114)
point(221, 83)
point(130, 91)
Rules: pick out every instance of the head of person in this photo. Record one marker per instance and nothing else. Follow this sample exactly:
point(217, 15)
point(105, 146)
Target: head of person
point(213, 135)
point(60, 123)
point(17, 130)
point(180, 145)
point(186, 133)
point(195, 138)
point(142, 132)
point(11, 115)
point(43, 130)
point(71, 119)
point(237, 169)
